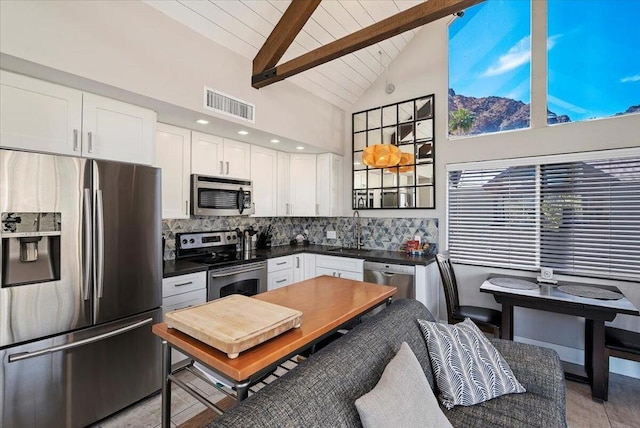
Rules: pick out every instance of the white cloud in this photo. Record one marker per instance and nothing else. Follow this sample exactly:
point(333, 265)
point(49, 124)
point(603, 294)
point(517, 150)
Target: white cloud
point(551, 41)
point(627, 79)
point(565, 105)
point(517, 56)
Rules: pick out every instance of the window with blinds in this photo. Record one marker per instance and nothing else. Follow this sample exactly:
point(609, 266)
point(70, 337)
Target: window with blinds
point(579, 217)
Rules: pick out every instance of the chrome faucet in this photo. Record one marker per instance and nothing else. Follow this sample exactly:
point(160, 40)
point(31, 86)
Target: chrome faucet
point(357, 235)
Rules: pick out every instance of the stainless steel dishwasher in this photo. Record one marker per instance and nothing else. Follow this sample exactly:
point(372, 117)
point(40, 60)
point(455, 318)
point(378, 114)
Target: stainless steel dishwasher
point(400, 276)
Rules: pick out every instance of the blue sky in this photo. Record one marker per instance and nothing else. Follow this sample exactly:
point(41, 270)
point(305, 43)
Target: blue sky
point(593, 54)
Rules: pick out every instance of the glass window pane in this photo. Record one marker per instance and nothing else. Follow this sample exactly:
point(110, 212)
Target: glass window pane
point(362, 199)
point(390, 115)
point(424, 130)
point(425, 152)
point(406, 197)
point(377, 198)
point(375, 119)
point(599, 81)
point(359, 141)
point(489, 68)
point(405, 111)
point(389, 178)
point(390, 198)
point(405, 132)
point(389, 135)
point(424, 108)
point(424, 196)
point(359, 122)
point(373, 137)
point(357, 161)
point(360, 180)
point(375, 178)
point(424, 174)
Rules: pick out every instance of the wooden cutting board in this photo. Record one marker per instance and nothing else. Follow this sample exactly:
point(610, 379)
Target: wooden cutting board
point(234, 323)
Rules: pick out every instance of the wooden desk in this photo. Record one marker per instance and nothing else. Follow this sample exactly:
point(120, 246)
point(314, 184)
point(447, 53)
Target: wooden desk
point(549, 298)
point(327, 303)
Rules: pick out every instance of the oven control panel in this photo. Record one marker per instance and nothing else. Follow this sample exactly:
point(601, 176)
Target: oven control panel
point(197, 240)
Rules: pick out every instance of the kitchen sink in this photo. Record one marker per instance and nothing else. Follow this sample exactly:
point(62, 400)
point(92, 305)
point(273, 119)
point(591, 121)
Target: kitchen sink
point(346, 250)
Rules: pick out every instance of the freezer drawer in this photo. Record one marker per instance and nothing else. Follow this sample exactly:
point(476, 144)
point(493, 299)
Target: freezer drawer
point(76, 379)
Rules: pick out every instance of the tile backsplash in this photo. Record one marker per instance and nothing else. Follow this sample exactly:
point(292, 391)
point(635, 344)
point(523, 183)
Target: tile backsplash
point(377, 233)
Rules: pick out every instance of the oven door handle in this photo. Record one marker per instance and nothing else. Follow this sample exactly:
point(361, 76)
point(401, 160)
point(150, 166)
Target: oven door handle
point(241, 200)
point(222, 275)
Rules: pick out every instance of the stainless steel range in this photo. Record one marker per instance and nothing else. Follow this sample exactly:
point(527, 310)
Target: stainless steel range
point(230, 271)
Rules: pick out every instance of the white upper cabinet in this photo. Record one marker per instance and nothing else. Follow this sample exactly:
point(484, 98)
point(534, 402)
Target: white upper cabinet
point(302, 185)
point(237, 158)
point(329, 185)
point(283, 200)
point(173, 156)
point(44, 117)
point(217, 156)
point(118, 131)
point(264, 175)
point(206, 154)
point(39, 116)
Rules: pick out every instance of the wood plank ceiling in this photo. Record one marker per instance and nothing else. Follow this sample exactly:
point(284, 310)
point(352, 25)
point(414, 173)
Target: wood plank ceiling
point(244, 25)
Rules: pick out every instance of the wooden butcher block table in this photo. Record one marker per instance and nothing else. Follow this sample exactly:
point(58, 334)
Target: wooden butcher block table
point(234, 323)
point(327, 304)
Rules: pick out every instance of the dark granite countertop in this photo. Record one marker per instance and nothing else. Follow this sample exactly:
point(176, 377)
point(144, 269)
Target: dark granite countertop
point(381, 256)
point(174, 268)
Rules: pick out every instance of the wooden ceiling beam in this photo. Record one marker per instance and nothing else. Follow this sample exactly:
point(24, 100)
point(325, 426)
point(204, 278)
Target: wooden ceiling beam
point(411, 18)
point(283, 34)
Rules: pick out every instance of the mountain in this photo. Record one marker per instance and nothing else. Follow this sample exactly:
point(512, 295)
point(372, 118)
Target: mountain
point(632, 109)
point(493, 114)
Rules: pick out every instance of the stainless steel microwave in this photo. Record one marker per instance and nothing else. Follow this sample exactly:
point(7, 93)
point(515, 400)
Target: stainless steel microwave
point(220, 196)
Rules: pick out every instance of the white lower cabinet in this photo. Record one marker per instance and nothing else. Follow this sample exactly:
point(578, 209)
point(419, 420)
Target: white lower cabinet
point(428, 287)
point(279, 279)
point(287, 270)
point(341, 267)
point(180, 292)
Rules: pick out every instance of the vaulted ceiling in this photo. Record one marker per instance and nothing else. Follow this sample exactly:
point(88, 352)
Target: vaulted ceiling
point(244, 25)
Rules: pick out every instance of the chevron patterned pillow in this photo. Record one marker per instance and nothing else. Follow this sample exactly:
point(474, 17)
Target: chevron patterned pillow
point(467, 367)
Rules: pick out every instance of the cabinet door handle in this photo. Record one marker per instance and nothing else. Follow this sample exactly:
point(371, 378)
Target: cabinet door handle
point(297, 262)
point(75, 140)
point(339, 274)
point(281, 263)
point(183, 284)
point(90, 138)
point(287, 208)
point(280, 281)
point(227, 168)
point(221, 168)
point(186, 207)
point(317, 209)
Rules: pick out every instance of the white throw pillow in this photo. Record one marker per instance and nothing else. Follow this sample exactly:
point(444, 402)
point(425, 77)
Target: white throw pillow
point(467, 367)
point(402, 398)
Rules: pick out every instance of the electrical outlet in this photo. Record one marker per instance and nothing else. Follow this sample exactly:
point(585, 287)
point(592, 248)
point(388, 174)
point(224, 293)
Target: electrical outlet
point(306, 232)
point(331, 234)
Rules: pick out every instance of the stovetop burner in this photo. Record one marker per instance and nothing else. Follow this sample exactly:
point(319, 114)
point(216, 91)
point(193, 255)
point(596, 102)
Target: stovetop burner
point(214, 249)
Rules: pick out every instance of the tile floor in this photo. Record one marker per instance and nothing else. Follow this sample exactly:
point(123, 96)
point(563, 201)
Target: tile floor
point(621, 411)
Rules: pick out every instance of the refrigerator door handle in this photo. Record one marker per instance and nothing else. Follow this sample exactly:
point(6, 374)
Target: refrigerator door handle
point(86, 249)
point(99, 244)
point(26, 355)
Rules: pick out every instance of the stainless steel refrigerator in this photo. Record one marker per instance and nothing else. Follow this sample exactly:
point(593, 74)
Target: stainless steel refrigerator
point(81, 286)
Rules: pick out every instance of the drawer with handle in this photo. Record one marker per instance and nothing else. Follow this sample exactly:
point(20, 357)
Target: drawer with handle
point(184, 283)
point(279, 263)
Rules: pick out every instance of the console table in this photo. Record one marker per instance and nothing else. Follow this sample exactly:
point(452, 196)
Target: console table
point(327, 304)
point(549, 298)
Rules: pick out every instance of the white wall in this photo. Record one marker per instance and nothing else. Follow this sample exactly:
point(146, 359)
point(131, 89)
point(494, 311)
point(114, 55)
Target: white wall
point(132, 46)
point(421, 69)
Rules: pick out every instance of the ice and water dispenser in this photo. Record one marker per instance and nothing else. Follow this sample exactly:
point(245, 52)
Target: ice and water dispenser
point(30, 247)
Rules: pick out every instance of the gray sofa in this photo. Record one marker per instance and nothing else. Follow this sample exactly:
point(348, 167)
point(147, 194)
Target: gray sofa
point(322, 390)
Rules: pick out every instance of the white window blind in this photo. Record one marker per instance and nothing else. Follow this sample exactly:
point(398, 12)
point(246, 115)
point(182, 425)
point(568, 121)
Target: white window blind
point(579, 217)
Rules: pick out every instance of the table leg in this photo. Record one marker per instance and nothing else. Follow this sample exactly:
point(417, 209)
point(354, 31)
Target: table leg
point(594, 356)
point(242, 391)
point(506, 330)
point(166, 385)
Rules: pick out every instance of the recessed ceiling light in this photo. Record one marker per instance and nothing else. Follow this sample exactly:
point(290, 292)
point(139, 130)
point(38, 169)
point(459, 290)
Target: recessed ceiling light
point(243, 132)
point(202, 121)
point(274, 141)
point(300, 148)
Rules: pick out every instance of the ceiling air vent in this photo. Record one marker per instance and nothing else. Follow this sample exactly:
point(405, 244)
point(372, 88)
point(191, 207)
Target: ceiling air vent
point(225, 104)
